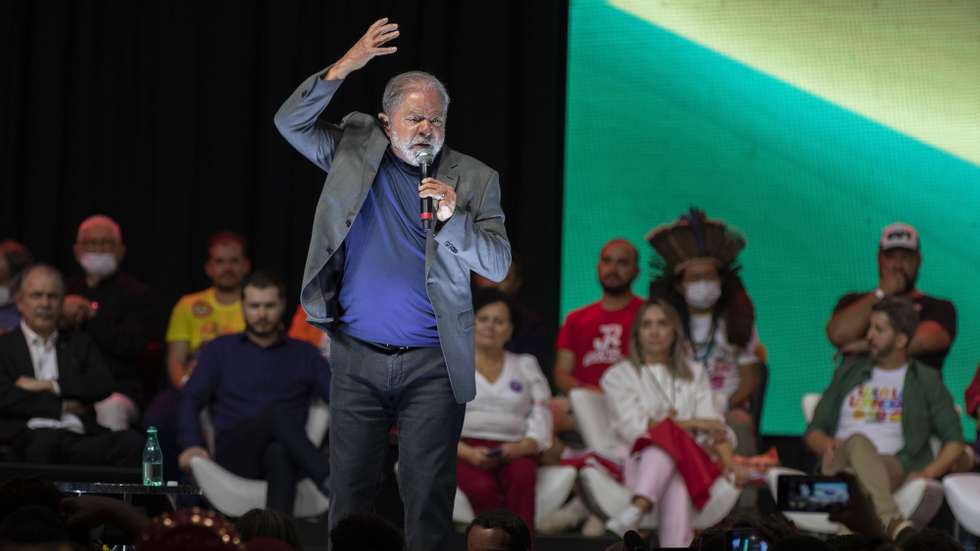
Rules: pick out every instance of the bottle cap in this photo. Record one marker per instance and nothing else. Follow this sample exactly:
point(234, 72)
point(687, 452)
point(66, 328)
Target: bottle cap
point(151, 428)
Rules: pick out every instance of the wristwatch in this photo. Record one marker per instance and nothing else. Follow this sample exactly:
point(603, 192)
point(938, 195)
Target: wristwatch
point(879, 294)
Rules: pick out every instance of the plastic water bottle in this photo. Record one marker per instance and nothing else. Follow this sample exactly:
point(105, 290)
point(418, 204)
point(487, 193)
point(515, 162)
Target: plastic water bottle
point(152, 459)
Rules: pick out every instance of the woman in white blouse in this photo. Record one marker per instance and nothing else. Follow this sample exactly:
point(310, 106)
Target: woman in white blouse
point(508, 423)
point(655, 383)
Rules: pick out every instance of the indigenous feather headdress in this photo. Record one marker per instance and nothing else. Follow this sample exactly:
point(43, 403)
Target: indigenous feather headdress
point(693, 236)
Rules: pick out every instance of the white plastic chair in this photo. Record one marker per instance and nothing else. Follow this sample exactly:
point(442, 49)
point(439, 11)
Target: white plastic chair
point(553, 486)
point(963, 495)
point(608, 495)
point(918, 500)
point(233, 495)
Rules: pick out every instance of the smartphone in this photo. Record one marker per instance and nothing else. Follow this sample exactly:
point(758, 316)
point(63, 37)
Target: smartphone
point(493, 453)
point(745, 539)
point(811, 494)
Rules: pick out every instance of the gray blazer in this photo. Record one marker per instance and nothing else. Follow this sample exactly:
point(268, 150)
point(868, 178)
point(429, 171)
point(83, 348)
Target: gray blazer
point(474, 239)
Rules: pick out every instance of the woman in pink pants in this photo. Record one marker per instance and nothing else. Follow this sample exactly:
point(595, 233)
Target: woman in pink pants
point(657, 383)
point(508, 424)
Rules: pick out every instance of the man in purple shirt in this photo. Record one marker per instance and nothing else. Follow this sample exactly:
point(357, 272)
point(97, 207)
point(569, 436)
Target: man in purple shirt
point(258, 386)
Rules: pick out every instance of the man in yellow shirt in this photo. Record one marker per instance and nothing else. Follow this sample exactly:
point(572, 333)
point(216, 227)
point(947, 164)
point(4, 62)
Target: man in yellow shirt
point(199, 317)
point(196, 319)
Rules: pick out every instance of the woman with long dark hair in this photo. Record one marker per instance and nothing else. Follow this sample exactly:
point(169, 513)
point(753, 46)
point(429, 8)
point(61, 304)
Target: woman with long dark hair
point(699, 277)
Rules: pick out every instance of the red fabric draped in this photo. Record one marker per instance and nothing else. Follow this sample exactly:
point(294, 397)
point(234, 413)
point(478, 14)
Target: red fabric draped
point(695, 467)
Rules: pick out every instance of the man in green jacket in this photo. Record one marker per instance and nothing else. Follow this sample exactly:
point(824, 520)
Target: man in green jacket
point(877, 416)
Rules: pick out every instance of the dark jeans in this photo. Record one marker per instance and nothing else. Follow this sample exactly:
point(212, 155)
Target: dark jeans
point(370, 390)
point(56, 446)
point(275, 448)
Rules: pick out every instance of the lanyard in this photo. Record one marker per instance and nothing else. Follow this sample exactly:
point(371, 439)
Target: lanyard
point(672, 397)
point(709, 346)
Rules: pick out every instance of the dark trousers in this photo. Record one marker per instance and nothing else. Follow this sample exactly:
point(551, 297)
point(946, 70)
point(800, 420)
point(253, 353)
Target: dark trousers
point(57, 446)
point(370, 390)
point(275, 448)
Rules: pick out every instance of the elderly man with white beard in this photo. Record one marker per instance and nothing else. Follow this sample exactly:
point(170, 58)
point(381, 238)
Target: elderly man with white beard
point(393, 295)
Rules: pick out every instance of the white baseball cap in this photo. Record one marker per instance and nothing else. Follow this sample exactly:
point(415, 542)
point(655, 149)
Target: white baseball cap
point(899, 235)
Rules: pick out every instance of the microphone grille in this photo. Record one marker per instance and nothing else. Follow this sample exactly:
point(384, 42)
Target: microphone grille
point(424, 157)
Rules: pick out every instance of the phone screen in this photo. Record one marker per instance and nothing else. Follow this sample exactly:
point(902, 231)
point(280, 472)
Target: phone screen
point(745, 539)
point(812, 494)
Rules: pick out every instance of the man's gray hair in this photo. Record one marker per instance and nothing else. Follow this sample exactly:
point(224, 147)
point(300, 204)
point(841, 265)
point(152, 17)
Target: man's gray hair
point(18, 283)
point(401, 84)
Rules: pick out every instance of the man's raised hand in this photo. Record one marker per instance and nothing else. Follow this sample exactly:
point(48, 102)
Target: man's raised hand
point(365, 49)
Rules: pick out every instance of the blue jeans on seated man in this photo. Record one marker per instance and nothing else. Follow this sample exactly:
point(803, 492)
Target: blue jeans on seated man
point(371, 389)
point(273, 447)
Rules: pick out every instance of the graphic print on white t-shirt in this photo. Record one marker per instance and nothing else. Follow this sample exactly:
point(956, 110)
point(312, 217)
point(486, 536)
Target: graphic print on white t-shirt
point(720, 358)
point(874, 408)
point(605, 347)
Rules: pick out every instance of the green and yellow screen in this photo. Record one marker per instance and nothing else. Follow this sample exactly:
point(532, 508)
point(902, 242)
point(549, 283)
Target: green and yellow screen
point(808, 126)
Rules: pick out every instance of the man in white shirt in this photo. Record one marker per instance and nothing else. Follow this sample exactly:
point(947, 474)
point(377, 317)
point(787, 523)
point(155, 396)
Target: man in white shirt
point(49, 382)
point(879, 412)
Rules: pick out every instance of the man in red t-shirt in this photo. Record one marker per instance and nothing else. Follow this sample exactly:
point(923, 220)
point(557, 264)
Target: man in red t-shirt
point(592, 338)
point(596, 336)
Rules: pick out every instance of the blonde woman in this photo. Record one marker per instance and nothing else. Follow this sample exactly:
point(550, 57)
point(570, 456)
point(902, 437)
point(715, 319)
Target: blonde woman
point(664, 413)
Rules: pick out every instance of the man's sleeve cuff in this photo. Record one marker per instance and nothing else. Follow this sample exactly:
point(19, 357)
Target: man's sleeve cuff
point(317, 86)
point(451, 231)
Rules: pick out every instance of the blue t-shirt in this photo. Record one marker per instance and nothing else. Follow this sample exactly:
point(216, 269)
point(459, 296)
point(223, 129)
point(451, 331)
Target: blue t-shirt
point(382, 293)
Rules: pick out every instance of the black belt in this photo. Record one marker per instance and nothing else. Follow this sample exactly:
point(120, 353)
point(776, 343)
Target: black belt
point(384, 348)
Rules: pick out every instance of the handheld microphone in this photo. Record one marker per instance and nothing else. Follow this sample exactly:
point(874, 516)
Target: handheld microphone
point(424, 158)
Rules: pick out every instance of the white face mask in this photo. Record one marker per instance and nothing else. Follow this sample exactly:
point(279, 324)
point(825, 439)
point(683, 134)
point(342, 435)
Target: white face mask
point(98, 264)
point(4, 295)
point(702, 294)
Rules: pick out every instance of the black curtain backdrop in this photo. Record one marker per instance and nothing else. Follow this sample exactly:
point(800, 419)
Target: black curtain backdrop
point(159, 114)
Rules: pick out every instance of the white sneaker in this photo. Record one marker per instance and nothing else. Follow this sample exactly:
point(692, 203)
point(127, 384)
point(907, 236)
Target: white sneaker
point(593, 527)
point(625, 521)
point(563, 519)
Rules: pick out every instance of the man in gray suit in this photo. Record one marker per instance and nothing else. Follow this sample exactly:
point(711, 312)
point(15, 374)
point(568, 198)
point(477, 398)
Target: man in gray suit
point(395, 298)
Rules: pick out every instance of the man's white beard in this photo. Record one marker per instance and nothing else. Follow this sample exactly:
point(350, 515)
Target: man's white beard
point(405, 151)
